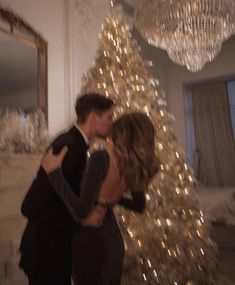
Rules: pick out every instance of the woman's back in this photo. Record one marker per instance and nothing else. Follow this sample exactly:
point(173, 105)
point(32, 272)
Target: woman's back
point(112, 186)
point(100, 250)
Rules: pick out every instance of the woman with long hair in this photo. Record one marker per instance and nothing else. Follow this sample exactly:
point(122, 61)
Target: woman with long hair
point(127, 164)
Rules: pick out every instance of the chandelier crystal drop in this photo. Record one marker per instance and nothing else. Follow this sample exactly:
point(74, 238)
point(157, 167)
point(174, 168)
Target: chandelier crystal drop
point(191, 31)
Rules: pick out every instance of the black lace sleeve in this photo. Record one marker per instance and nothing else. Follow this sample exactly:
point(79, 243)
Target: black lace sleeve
point(80, 207)
point(136, 203)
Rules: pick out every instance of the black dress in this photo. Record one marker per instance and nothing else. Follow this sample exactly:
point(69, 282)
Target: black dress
point(97, 253)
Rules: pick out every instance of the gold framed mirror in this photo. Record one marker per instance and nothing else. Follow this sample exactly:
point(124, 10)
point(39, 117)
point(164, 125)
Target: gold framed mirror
point(23, 68)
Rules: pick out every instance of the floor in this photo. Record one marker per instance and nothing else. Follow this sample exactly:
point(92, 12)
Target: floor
point(223, 235)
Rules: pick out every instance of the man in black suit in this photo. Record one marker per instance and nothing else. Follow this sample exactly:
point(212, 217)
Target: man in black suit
point(46, 242)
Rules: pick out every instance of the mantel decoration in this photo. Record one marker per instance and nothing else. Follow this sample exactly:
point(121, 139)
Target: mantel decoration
point(191, 31)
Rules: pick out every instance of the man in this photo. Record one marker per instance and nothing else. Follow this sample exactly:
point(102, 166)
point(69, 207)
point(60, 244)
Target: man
point(46, 242)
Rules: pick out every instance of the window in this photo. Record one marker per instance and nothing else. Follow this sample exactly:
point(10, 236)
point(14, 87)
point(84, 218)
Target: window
point(192, 152)
point(231, 96)
point(188, 107)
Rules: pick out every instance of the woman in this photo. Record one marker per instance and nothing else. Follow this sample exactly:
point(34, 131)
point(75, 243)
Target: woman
point(126, 164)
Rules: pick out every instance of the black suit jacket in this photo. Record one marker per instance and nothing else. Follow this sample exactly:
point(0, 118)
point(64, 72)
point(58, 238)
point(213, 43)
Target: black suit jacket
point(46, 242)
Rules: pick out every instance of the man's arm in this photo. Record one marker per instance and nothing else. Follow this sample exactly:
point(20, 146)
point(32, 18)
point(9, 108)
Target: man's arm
point(42, 203)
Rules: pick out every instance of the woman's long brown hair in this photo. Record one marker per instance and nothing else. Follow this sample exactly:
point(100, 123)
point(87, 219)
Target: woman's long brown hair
point(133, 138)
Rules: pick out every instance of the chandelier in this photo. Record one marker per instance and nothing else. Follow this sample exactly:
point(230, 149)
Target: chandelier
point(191, 31)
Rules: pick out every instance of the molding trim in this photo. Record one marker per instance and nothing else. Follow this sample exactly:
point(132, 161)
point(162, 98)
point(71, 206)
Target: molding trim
point(78, 17)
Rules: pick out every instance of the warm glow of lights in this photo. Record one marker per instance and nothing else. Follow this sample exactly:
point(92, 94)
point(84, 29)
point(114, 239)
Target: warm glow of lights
point(159, 240)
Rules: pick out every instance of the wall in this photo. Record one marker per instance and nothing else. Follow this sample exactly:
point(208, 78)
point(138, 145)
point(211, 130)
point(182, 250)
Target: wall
point(83, 24)
point(223, 66)
point(173, 78)
point(69, 53)
point(47, 17)
point(72, 48)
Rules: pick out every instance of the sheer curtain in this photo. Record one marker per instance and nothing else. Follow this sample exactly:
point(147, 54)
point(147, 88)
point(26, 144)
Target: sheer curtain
point(213, 134)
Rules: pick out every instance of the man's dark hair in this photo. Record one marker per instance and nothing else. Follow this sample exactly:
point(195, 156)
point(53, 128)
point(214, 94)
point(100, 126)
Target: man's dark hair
point(91, 102)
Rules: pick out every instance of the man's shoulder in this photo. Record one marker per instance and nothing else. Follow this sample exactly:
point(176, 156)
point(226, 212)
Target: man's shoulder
point(64, 135)
point(71, 138)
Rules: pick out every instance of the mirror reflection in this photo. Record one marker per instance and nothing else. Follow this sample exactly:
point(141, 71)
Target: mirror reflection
point(23, 75)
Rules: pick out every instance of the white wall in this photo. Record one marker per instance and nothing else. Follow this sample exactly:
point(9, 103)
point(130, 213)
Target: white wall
point(223, 66)
point(69, 55)
point(84, 19)
point(47, 17)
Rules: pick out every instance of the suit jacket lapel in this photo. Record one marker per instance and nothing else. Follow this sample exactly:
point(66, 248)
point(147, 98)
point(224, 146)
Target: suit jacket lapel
point(79, 138)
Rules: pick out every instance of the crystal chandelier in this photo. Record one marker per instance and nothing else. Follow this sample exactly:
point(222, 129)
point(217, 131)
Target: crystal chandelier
point(191, 31)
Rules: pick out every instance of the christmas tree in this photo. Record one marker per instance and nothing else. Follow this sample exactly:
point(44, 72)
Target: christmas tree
point(169, 244)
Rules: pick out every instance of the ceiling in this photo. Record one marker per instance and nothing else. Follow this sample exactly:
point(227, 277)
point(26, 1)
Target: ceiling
point(18, 61)
point(158, 56)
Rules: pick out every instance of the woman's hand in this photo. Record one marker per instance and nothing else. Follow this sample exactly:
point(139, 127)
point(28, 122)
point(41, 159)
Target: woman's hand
point(51, 162)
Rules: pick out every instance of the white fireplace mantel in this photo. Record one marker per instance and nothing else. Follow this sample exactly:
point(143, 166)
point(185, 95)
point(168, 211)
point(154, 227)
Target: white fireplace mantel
point(16, 174)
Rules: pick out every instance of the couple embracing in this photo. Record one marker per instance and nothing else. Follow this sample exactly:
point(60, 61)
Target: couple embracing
point(71, 229)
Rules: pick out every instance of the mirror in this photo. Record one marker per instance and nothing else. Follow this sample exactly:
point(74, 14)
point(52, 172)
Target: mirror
point(23, 68)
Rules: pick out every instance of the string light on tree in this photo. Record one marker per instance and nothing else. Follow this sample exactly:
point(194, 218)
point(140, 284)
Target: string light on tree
point(167, 244)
